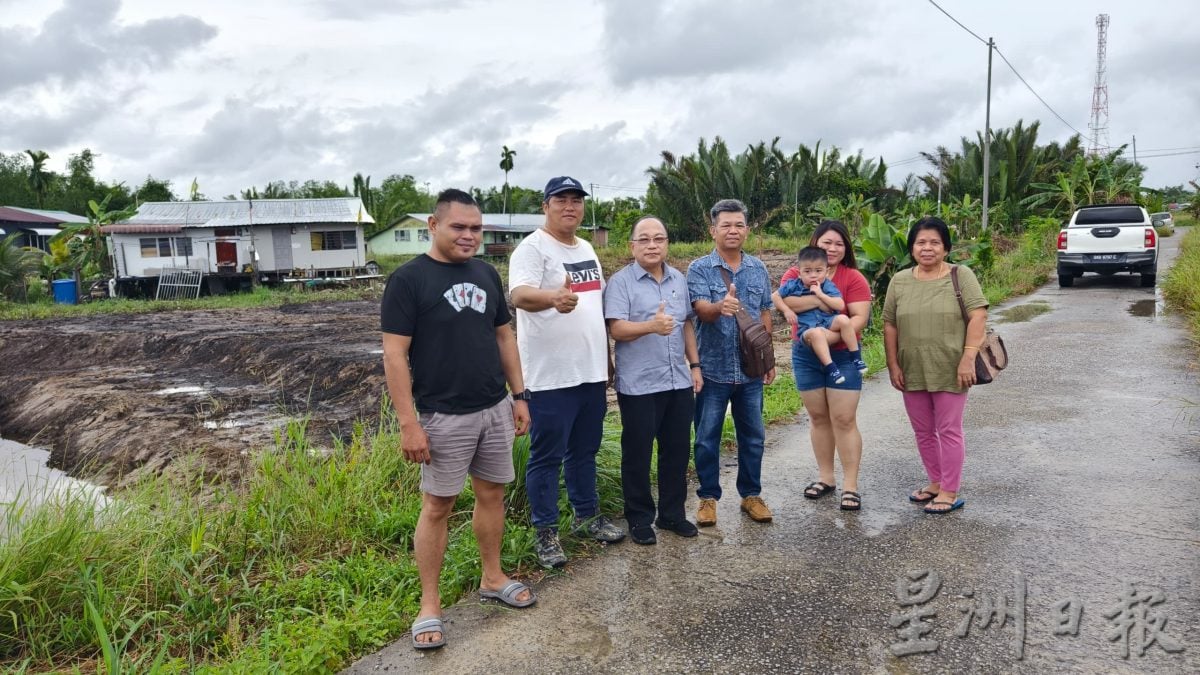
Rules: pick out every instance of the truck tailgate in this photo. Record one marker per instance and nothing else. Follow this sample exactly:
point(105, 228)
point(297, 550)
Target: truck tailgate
point(1106, 238)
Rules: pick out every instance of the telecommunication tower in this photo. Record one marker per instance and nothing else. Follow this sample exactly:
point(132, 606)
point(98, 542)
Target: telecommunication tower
point(1099, 123)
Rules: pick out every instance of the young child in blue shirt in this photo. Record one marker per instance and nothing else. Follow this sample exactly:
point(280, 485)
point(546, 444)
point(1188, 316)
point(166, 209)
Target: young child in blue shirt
point(825, 324)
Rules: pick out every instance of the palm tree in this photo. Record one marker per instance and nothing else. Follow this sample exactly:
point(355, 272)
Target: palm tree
point(506, 165)
point(39, 179)
point(362, 190)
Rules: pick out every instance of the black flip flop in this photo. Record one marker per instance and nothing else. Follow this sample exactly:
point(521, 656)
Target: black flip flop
point(821, 489)
point(922, 496)
point(854, 498)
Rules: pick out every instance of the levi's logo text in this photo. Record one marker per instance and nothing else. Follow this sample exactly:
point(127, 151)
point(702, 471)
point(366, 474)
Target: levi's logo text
point(462, 296)
point(585, 276)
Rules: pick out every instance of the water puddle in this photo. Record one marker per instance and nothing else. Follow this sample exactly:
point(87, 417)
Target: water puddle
point(1153, 308)
point(26, 483)
point(1023, 312)
point(186, 389)
point(224, 424)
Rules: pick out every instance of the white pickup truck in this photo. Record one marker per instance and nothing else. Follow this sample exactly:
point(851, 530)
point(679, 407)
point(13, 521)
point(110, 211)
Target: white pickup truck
point(1107, 239)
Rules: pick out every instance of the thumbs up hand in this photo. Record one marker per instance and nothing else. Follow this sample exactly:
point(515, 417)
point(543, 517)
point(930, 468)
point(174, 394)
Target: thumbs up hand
point(730, 304)
point(565, 299)
point(663, 323)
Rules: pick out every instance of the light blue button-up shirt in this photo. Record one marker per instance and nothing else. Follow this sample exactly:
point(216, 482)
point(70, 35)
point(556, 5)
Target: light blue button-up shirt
point(720, 360)
point(651, 363)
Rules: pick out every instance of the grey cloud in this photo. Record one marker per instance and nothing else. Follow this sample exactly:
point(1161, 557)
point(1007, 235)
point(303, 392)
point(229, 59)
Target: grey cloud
point(365, 9)
point(83, 39)
point(603, 155)
point(645, 41)
point(245, 143)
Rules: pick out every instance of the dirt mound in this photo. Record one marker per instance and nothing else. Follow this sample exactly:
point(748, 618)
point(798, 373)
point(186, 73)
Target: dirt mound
point(113, 396)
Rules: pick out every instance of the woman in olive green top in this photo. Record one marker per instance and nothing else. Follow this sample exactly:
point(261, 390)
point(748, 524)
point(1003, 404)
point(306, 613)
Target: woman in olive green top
point(931, 356)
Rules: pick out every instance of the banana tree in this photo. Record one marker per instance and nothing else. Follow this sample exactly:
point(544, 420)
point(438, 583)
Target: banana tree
point(881, 250)
point(85, 241)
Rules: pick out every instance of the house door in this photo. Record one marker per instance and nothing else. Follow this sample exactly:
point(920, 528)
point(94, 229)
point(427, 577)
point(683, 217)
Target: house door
point(227, 257)
point(281, 243)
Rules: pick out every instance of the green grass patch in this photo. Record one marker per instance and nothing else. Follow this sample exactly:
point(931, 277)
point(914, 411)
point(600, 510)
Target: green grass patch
point(262, 296)
point(1023, 269)
point(302, 567)
point(1182, 285)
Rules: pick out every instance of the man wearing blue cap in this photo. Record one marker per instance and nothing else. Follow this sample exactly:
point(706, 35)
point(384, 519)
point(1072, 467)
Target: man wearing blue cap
point(556, 285)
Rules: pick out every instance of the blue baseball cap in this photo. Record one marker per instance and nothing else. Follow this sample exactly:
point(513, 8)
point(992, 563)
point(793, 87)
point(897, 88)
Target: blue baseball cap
point(561, 184)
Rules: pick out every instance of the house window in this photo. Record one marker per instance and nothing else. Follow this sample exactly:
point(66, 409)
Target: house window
point(403, 235)
point(165, 247)
point(422, 235)
point(333, 241)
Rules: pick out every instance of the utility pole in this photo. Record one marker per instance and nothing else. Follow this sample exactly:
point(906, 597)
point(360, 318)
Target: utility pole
point(593, 191)
point(987, 136)
point(1135, 149)
point(941, 165)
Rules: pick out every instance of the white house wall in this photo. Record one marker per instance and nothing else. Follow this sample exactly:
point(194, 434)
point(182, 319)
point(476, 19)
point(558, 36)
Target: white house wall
point(126, 249)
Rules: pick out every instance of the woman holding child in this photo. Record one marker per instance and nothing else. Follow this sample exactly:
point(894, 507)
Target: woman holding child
point(830, 394)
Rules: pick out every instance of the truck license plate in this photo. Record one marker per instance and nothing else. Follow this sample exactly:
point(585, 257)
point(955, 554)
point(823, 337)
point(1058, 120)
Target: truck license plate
point(1105, 256)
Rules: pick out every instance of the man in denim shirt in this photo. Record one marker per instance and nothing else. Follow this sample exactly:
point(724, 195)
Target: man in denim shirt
point(724, 383)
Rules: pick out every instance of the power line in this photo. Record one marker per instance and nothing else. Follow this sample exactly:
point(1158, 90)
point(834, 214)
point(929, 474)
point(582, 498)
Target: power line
point(1010, 67)
point(619, 187)
point(1031, 90)
point(1169, 154)
point(1186, 147)
point(957, 22)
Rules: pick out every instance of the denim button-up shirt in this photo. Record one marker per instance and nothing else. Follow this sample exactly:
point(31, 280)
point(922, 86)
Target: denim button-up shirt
point(718, 341)
point(651, 363)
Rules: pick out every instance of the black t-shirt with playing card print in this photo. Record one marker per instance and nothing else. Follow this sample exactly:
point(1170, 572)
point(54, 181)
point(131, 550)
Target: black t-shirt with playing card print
point(451, 311)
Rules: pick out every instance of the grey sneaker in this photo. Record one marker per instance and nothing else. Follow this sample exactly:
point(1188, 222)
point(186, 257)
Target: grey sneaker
point(549, 550)
point(599, 528)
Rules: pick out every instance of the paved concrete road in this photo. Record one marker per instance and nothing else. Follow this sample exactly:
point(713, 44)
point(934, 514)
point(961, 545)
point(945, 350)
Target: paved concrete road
point(1083, 475)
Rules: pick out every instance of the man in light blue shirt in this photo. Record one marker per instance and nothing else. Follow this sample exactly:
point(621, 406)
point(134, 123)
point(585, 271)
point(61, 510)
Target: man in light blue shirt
point(725, 385)
point(649, 316)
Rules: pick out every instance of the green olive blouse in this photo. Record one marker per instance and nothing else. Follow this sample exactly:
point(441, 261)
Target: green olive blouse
point(929, 326)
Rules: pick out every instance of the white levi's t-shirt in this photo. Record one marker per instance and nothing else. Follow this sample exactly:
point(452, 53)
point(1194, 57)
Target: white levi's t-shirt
point(560, 350)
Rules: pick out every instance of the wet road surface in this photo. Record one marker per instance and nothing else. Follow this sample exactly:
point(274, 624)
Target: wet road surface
point(1082, 476)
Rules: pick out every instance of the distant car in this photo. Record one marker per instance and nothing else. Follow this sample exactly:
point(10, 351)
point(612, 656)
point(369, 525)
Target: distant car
point(1106, 239)
point(1162, 218)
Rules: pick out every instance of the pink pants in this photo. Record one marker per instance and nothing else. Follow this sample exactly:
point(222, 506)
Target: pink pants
point(937, 421)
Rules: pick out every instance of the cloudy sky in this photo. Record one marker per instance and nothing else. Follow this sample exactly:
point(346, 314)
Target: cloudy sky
point(239, 93)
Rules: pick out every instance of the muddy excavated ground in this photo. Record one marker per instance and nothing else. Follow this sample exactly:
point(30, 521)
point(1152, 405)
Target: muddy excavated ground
point(112, 396)
point(115, 396)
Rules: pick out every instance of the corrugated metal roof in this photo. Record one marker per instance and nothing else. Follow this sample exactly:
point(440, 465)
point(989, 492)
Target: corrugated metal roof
point(237, 213)
point(43, 231)
point(17, 214)
point(141, 228)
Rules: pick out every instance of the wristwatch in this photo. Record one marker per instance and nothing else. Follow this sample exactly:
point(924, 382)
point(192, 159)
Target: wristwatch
point(693, 365)
point(522, 395)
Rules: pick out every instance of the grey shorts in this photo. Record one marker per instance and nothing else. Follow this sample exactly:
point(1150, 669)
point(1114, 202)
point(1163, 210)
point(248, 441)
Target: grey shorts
point(478, 443)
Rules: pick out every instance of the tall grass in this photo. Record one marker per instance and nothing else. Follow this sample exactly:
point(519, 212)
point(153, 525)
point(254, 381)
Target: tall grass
point(1182, 285)
point(302, 566)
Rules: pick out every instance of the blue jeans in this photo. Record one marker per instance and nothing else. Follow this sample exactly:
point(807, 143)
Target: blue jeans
point(747, 400)
point(564, 435)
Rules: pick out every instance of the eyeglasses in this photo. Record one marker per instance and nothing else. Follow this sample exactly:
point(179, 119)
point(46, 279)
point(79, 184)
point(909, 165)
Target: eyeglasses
point(642, 241)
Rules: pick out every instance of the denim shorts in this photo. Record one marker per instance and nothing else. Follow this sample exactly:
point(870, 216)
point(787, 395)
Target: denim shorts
point(810, 375)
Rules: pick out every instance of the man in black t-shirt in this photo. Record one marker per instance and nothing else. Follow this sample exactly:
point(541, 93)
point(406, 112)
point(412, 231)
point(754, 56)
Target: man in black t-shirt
point(448, 351)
